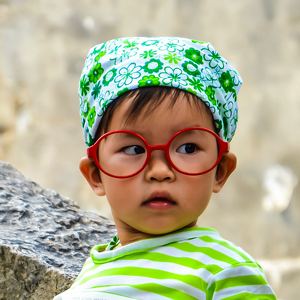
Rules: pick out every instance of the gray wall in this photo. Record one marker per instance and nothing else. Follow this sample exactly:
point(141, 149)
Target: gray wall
point(43, 45)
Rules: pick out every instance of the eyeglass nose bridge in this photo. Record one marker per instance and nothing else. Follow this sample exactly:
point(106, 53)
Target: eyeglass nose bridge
point(164, 148)
point(158, 147)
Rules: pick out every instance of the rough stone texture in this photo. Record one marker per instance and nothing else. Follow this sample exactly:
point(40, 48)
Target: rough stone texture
point(44, 238)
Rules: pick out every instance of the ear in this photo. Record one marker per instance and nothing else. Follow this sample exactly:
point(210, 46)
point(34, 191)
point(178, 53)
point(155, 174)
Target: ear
point(225, 167)
point(91, 173)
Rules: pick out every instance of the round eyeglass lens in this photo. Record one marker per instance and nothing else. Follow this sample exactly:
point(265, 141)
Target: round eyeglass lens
point(194, 151)
point(121, 154)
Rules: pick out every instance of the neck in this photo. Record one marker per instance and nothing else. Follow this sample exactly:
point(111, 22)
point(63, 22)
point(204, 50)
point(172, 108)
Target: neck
point(128, 235)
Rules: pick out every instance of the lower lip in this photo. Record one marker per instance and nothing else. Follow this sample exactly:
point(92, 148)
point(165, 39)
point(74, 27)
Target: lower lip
point(159, 204)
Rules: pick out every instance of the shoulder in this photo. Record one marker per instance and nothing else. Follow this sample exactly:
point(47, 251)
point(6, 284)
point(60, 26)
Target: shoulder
point(235, 272)
point(214, 248)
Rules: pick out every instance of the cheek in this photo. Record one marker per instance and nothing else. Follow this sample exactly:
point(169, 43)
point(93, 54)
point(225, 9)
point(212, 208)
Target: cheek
point(120, 192)
point(197, 190)
point(201, 184)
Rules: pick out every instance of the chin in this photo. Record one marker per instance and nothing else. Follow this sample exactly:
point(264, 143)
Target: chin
point(161, 230)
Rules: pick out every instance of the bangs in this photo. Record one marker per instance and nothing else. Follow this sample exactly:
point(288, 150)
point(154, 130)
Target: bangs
point(147, 99)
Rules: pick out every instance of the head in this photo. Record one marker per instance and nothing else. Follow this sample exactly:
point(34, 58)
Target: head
point(160, 198)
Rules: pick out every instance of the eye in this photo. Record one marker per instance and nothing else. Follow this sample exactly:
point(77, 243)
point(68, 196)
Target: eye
point(188, 148)
point(133, 150)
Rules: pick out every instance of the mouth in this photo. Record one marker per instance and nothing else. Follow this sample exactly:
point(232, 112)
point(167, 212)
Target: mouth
point(159, 201)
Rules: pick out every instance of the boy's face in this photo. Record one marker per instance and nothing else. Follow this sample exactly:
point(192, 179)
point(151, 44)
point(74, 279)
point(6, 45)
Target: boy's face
point(182, 198)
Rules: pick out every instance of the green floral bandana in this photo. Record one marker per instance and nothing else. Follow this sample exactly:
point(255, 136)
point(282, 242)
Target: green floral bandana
point(124, 64)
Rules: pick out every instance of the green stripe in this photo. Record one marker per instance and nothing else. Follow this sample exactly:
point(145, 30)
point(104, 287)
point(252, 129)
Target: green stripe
point(223, 243)
point(192, 280)
point(249, 296)
point(238, 281)
point(159, 257)
point(187, 247)
point(182, 261)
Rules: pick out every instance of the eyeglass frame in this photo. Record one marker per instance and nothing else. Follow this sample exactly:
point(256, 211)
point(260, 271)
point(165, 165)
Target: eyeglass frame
point(92, 151)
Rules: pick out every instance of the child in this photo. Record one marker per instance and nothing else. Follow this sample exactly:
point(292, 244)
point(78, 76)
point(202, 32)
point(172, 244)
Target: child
point(158, 115)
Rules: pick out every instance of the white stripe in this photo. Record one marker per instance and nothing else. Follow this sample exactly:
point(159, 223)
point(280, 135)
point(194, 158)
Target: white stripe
point(132, 280)
point(161, 266)
point(236, 272)
point(104, 267)
point(252, 289)
point(236, 247)
point(217, 247)
point(144, 263)
point(170, 267)
point(201, 257)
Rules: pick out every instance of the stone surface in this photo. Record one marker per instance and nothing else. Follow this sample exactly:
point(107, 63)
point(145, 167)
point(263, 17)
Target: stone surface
point(44, 238)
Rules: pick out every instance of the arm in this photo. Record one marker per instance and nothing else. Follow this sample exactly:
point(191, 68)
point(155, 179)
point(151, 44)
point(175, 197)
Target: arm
point(240, 281)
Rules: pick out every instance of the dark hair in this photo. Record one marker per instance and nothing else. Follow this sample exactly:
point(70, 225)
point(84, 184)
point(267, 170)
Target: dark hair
point(150, 97)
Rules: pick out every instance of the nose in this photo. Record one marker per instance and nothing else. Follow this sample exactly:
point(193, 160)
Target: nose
point(158, 167)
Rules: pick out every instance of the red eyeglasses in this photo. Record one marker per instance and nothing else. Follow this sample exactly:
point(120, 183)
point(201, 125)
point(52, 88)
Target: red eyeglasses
point(191, 151)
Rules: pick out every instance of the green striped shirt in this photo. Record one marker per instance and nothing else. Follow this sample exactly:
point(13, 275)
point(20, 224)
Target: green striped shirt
point(194, 263)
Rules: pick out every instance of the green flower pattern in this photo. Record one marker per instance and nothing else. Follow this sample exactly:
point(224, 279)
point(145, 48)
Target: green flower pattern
point(226, 82)
point(96, 90)
point(172, 58)
point(172, 46)
point(126, 75)
point(84, 85)
point(153, 66)
point(109, 76)
point(196, 84)
point(194, 55)
point(91, 116)
point(147, 54)
point(190, 68)
point(96, 73)
point(213, 57)
point(120, 65)
point(130, 44)
point(210, 92)
point(173, 77)
point(148, 81)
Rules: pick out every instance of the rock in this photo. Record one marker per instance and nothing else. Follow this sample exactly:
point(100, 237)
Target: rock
point(44, 238)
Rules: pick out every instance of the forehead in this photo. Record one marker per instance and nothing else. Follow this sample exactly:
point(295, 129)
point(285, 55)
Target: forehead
point(168, 115)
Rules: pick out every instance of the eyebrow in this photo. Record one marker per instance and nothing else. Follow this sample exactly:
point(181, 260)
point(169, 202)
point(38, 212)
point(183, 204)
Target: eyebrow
point(176, 129)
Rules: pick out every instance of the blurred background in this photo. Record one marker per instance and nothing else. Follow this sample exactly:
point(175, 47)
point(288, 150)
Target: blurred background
point(43, 45)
